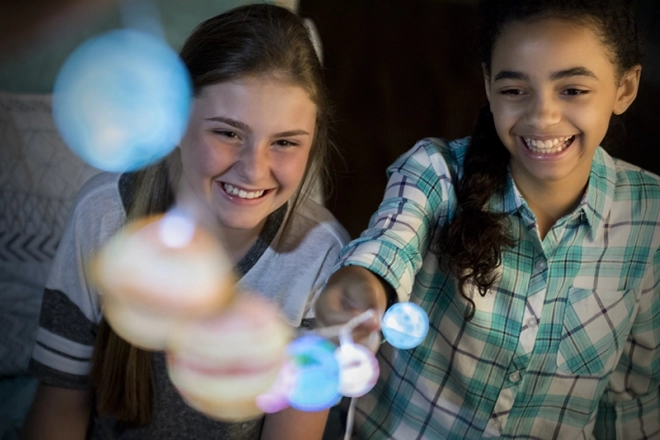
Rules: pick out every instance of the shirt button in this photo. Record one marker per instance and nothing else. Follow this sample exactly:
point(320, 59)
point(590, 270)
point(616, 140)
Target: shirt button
point(541, 265)
point(531, 322)
point(514, 377)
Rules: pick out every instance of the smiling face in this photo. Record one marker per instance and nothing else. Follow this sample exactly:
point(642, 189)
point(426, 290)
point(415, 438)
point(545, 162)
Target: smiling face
point(246, 149)
point(552, 89)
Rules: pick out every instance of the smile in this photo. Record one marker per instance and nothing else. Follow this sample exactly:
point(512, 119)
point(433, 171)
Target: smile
point(548, 146)
point(241, 193)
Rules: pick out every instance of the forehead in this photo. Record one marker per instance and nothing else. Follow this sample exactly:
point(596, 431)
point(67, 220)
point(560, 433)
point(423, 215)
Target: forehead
point(254, 86)
point(551, 44)
point(250, 97)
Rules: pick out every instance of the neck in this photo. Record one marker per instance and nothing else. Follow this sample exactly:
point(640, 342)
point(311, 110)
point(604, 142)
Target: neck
point(550, 201)
point(237, 242)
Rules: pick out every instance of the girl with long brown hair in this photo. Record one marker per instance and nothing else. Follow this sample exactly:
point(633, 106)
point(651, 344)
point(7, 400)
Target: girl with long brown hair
point(257, 135)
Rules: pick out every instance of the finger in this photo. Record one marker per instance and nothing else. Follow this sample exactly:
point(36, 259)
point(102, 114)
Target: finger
point(362, 332)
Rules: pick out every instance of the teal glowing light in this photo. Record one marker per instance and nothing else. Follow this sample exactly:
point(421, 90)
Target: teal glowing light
point(316, 385)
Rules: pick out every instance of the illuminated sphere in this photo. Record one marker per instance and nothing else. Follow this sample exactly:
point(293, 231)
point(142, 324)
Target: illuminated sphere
point(405, 325)
point(316, 384)
point(121, 101)
point(276, 398)
point(358, 370)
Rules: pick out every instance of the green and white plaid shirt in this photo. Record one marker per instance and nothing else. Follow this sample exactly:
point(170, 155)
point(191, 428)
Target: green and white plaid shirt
point(565, 346)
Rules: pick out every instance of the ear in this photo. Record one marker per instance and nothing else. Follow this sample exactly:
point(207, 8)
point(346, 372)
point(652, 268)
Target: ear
point(486, 80)
point(627, 91)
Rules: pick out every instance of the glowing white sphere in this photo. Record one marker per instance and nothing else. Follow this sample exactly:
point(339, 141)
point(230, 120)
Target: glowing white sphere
point(122, 100)
point(405, 325)
point(358, 370)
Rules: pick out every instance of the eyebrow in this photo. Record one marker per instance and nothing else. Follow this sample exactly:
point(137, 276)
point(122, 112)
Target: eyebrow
point(229, 121)
point(574, 71)
point(244, 127)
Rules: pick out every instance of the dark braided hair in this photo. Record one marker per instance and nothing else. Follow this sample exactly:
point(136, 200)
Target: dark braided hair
point(470, 247)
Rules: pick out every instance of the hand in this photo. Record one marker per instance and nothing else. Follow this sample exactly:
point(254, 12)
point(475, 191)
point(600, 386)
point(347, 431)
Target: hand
point(351, 291)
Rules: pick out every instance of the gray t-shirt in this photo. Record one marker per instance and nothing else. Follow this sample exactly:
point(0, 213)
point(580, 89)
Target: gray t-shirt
point(288, 264)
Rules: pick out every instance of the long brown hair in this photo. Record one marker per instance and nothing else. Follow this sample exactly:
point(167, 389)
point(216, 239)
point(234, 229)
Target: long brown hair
point(122, 373)
point(251, 40)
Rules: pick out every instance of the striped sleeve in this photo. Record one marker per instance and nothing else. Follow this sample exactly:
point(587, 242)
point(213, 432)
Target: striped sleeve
point(70, 311)
point(65, 341)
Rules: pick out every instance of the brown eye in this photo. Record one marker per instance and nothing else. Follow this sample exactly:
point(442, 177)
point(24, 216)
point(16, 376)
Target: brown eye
point(512, 92)
point(226, 133)
point(574, 92)
point(285, 143)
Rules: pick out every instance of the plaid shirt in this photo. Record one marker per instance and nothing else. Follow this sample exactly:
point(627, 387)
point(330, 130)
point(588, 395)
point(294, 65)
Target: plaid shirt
point(565, 346)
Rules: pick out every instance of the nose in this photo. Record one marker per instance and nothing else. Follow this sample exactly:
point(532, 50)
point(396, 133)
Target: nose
point(544, 110)
point(254, 162)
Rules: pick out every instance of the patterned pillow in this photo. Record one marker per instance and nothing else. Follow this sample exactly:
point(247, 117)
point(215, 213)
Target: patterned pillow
point(39, 178)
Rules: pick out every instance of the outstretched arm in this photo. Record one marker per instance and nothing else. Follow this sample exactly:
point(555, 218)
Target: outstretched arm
point(350, 291)
point(58, 413)
point(291, 424)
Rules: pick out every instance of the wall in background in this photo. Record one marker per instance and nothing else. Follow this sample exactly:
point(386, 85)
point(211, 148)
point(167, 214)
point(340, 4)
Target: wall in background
point(402, 70)
point(33, 67)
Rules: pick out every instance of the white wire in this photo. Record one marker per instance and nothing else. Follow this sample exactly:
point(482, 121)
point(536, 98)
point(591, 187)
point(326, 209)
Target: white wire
point(349, 419)
point(344, 334)
point(336, 330)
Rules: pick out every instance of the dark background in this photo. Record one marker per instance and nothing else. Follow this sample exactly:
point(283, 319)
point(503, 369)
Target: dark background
point(402, 70)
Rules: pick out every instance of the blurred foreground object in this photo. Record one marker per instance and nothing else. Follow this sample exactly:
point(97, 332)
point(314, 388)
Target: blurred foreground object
point(121, 101)
point(405, 325)
point(221, 365)
point(158, 272)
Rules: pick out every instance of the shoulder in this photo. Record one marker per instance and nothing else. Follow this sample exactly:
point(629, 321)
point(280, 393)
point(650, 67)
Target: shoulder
point(98, 210)
point(638, 179)
point(440, 155)
point(636, 191)
point(312, 220)
point(101, 191)
point(635, 182)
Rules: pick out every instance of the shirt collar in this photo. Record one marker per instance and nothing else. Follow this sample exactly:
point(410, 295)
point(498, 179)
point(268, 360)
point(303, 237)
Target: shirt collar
point(596, 202)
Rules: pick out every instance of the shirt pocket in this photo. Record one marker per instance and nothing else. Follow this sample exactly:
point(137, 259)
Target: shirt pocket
point(595, 329)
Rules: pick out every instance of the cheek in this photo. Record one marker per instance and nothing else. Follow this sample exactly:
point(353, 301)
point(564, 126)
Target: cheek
point(593, 122)
point(200, 156)
point(291, 169)
point(503, 124)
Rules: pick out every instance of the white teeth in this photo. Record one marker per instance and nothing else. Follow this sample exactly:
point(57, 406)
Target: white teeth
point(242, 193)
point(548, 146)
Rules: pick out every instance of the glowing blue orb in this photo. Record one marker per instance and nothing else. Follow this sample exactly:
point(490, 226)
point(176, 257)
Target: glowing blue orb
point(121, 101)
point(405, 325)
point(316, 384)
